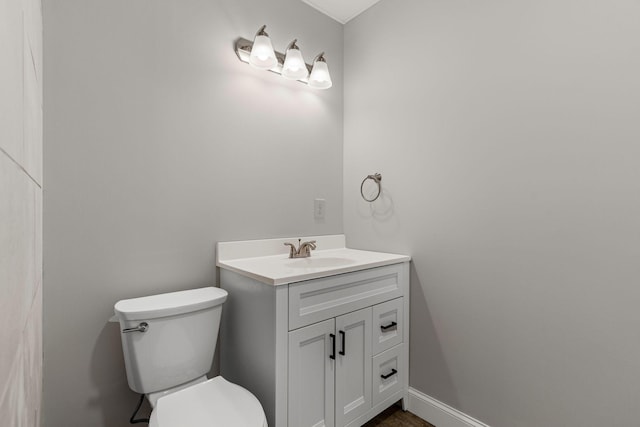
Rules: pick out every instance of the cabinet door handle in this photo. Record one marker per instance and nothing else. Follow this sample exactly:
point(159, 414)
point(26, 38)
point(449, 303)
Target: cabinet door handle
point(332, 356)
point(389, 375)
point(389, 326)
point(343, 337)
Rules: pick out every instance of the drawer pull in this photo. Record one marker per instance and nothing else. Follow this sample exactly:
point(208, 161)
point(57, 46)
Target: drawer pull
point(389, 375)
point(332, 356)
point(389, 326)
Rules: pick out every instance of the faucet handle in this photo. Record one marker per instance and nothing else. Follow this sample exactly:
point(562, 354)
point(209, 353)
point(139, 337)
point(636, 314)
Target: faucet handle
point(306, 247)
point(292, 249)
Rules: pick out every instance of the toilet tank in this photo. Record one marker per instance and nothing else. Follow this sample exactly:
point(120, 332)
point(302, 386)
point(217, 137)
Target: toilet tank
point(179, 341)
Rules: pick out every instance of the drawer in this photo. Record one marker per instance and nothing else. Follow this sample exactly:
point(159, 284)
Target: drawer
point(387, 325)
point(389, 373)
point(315, 300)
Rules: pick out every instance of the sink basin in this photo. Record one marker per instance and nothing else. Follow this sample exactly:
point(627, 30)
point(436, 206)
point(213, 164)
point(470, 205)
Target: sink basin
point(319, 262)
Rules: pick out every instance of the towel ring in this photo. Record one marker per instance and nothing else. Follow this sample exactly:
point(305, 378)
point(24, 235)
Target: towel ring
point(376, 178)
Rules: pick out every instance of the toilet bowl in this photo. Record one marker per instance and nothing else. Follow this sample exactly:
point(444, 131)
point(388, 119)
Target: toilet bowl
point(168, 341)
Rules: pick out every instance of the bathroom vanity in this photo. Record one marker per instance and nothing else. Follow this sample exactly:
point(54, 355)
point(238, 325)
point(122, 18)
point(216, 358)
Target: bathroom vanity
point(321, 341)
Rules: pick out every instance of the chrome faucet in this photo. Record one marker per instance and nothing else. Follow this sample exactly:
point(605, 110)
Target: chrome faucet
point(303, 250)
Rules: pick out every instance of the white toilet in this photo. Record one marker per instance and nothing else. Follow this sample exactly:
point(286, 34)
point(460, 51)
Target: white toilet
point(168, 342)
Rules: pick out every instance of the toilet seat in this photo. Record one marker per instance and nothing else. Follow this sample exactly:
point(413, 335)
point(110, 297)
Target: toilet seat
point(215, 402)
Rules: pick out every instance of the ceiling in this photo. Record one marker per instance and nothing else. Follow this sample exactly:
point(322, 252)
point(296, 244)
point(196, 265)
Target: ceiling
point(341, 10)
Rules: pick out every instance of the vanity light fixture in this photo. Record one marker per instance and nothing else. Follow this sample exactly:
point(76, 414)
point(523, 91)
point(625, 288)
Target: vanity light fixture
point(260, 54)
point(294, 67)
point(320, 77)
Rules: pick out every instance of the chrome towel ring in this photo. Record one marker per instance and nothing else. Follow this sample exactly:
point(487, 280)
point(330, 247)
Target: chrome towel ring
point(376, 177)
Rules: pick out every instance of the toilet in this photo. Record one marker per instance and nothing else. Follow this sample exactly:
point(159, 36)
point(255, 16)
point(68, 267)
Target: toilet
point(168, 341)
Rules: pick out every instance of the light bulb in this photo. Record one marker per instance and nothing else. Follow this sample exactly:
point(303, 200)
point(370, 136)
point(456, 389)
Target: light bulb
point(262, 54)
point(320, 77)
point(294, 67)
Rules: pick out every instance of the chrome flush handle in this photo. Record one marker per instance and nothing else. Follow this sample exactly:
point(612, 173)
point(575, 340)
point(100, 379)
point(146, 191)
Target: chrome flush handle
point(142, 327)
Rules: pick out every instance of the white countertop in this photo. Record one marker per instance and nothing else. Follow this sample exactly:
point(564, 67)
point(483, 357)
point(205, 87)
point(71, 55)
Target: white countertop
point(276, 268)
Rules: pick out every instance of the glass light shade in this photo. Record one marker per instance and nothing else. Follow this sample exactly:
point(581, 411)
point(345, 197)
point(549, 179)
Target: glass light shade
point(262, 54)
point(320, 77)
point(294, 67)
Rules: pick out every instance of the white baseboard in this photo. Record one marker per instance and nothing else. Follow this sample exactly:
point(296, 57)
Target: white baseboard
point(437, 413)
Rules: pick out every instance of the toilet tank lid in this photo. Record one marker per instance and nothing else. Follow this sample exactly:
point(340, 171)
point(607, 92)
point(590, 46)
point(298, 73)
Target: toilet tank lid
point(169, 304)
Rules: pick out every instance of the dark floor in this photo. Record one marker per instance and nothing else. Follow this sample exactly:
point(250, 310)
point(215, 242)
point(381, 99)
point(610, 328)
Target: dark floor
point(396, 417)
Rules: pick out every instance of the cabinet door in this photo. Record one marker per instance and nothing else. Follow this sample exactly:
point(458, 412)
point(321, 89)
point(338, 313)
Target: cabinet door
point(353, 366)
point(311, 375)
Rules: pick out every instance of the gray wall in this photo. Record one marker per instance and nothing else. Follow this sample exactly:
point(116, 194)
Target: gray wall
point(160, 143)
point(507, 134)
point(20, 212)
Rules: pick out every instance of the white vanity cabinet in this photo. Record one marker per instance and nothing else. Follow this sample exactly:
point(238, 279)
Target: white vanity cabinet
point(329, 351)
point(330, 371)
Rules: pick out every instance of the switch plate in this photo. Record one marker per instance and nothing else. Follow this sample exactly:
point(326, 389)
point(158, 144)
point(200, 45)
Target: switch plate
point(319, 206)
